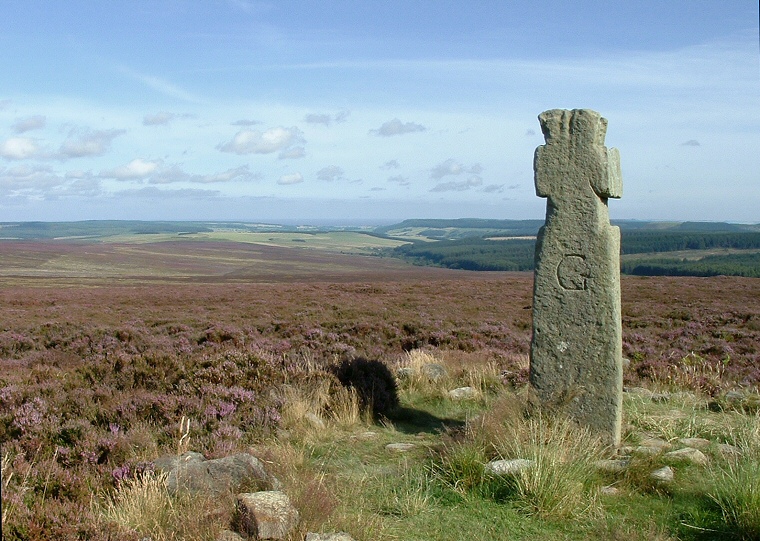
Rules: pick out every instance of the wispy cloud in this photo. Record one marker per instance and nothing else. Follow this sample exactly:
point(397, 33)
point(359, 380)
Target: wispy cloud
point(29, 123)
point(396, 127)
point(294, 178)
point(86, 142)
point(266, 142)
point(162, 118)
point(326, 119)
point(330, 173)
point(161, 86)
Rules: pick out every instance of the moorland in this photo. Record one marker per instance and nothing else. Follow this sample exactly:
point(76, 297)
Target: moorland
point(110, 343)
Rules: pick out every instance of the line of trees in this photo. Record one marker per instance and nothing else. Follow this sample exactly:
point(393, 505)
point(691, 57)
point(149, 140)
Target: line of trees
point(518, 254)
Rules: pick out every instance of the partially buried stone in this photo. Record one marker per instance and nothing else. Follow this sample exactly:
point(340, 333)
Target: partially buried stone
point(576, 349)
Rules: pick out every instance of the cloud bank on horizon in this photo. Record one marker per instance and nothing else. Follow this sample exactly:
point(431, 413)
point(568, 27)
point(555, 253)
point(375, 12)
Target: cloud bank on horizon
point(248, 110)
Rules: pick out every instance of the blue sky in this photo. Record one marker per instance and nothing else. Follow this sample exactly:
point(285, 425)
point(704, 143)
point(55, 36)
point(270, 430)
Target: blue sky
point(369, 110)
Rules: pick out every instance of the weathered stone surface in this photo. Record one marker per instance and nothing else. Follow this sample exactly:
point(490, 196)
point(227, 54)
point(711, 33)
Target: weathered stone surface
point(463, 393)
point(688, 454)
point(613, 465)
point(728, 450)
point(400, 447)
point(340, 536)
point(652, 446)
point(433, 371)
point(697, 443)
point(576, 350)
point(508, 466)
point(266, 514)
point(193, 473)
point(609, 490)
point(664, 474)
point(227, 535)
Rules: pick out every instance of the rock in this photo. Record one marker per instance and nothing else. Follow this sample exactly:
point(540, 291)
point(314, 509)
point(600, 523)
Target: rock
point(660, 397)
point(626, 363)
point(266, 514)
point(652, 446)
point(366, 435)
point(227, 535)
point(728, 450)
point(512, 466)
point(405, 372)
point(314, 420)
point(433, 371)
point(340, 536)
point(463, 393)
point(576, 347)
point(193, 473)
point(609, 491)
point(689, 454)
point(697, 443)
point(640, 391)
point(400, 447)
point(664, 474)
point(615, 465)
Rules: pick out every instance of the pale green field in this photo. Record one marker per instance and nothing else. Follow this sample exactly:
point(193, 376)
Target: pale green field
point(348, 242)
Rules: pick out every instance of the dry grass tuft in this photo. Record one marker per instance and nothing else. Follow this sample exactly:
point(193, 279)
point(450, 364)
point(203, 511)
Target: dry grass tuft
point(144, 505)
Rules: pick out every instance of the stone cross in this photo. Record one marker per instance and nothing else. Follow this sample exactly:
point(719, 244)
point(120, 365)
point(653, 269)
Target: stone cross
point(576, 349)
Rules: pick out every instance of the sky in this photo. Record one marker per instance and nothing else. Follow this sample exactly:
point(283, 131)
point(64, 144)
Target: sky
point(369, 111)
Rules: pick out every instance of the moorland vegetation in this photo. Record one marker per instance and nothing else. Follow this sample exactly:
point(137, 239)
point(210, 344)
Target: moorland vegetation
point(103, 374)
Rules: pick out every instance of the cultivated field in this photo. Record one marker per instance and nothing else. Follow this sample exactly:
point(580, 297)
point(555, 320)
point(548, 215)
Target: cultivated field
point(107, 347)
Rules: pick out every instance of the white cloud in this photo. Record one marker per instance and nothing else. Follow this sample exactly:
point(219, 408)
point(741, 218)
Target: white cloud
point(286, 180)
point(326, 119)
point(83, 143)
point(26, 182)
point(137, 169)
point(29, 123)
point(314, 118)
point(400, 180)
point(245, 122)
point(330, 173)
point(19, 148)
point(292, 153)
point(159, 119)
point(390, 164)
point(452, 167)
point(237, 174)
point(458, 186)
point(258, 142)
point(396, 127)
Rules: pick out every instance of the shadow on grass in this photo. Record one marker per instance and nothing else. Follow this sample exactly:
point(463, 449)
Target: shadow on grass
point(414, 421)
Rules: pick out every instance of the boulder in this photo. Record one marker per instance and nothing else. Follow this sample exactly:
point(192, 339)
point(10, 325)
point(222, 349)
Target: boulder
point(663, 475)
point(400, 447)
point(512, 466)
point(688, 454)
point(228, 535)
point(433, 371)
point(696, 443)
point(615, 465)
point(340, 536)
point(193, 473)
point(463, 393)
point(266, 515)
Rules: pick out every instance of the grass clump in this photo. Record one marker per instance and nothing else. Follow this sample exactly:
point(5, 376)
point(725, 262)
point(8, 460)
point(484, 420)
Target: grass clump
point(145, 506)
point(736, 484)
point(557, 484)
